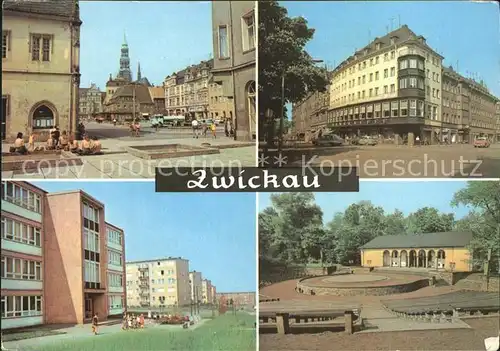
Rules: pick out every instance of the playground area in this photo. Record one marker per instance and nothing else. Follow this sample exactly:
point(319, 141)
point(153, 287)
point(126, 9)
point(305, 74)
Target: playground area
point(226, 332)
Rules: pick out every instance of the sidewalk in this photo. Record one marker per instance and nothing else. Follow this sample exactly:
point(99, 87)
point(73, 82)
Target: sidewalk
point(117, 163)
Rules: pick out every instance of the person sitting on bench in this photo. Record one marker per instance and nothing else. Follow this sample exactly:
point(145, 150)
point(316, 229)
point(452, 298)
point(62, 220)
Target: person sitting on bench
point(19, 146)
point(73, 143)
point(64, 141)
point(86, 146)
point(95, 145)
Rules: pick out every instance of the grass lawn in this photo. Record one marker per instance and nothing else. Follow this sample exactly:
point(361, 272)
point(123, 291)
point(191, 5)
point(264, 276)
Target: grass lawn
point(224, 333)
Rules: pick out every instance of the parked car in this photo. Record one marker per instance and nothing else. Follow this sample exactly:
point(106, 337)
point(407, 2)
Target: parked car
point(367, 140)
point(481, 142)
point(328, 140)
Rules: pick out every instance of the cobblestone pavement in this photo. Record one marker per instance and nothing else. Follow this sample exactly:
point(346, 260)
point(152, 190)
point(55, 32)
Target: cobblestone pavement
point(438, 161)
point(117, 163)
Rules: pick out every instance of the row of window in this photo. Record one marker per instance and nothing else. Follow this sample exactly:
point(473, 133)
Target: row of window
point(115, 280)
point(40, 46)
point(91, 240)
point(114, 236)
point(20, 232)
point(21, 306)
point(90, 212)
point(21, 196)
point(411, 82)
point(115, 258)
point(92, 272)
point(247, 32)
point(402, 108)
point(17, 268)
point(115, 302)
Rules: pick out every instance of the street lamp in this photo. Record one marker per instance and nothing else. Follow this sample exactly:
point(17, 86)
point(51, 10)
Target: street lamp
point(282, 117)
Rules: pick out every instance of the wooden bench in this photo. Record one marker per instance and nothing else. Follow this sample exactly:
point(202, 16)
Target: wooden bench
point(283, 322)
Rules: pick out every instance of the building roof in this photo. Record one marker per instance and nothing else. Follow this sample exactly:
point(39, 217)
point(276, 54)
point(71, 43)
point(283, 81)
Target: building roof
point(157, 92)
point(142, 95)
point(158, 260)
point(400, 35)
point(63, 8)
point(429, 240)
point(144, 81)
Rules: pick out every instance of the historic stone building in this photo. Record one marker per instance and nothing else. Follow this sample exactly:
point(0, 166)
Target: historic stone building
point(129, 102)
point(219, 106)
point(468, 108)
point(234, 40)
point(90, 101)
point(40, 79)
point(186, 91)
point(390, 88)
point(310, 115)
point(440, 251)
point(158, 97)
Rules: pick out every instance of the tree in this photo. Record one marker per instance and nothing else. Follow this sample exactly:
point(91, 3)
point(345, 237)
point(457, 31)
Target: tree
point(292, 228)
point(429, 220)
point(281, 54)
point(484, 218)
point(396, 223)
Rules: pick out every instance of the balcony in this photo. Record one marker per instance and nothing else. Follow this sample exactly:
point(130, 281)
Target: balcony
point(21, 208)
point(144, 294)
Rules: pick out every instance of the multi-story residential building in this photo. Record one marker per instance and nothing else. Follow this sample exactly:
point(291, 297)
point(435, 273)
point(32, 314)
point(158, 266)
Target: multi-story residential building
point(497, 114)
point(40, 66)
point(90, 101)
point(219, 106)
point(161, 282)
point(311, 114)
point(468, 108)
point(239, 298)
point(390, 88)
point(206, 289)
point(22, 270)
point(213, 294)
point(234, 41)
point(59, 244)
point(195, 282)
point(186, 91)
point(116, 269)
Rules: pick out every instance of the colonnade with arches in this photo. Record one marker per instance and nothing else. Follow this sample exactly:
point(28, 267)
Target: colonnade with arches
point(419, 258)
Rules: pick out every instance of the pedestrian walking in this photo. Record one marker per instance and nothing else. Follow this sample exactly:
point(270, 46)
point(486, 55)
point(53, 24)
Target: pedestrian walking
point(95, 323)
point(195, 125)
point(214, 130)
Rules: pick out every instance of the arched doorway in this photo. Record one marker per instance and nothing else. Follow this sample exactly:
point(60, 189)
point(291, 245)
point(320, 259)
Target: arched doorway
point(386, 259)
point(394, 259)
point(404, 258)
point(441, 258)
point(421, 258)
point(43, 115)
point(431, 259)
point(413, 258)
point(251, 109)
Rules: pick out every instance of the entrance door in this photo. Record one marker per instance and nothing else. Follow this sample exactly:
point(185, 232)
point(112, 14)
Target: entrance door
point(5, 100)
point(89, 308)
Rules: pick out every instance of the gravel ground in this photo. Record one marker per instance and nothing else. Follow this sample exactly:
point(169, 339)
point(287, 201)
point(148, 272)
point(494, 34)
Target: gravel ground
point(458, 339)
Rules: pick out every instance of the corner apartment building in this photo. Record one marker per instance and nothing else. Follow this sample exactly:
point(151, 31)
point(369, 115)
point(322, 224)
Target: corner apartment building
point(186, 91)
point(90, 101)
point(239, 298)
point(40, 66)
point(206, 289)
point(219, 106)
point(160, 282)
point(234, 41)
point(213, 293)
point(59, 244)
point(195, 282)
point(497, 115)
point(390, 88)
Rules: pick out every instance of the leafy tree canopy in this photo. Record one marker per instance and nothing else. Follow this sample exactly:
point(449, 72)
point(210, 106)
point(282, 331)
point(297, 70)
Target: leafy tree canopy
point(282, 40)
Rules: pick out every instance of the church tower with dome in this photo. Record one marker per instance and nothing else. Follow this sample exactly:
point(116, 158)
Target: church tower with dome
point(125, 73)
